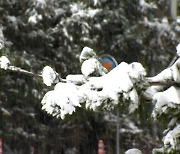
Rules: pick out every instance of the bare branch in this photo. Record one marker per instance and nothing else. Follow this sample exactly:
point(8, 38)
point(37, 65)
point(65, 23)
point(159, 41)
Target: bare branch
point(160, 83)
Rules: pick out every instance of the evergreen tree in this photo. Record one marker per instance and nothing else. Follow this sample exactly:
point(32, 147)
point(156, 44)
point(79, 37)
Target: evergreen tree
point(51, 32)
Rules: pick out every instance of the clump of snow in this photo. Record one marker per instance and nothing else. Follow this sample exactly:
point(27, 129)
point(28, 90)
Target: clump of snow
point(92, 12)
point(48, 75)
point(4, 62)
point(78, 10)
point(1, 44)
point(121, 80)
point(163, 76)
point(13, 21)
point(92, 67)
point(178, 20)
point(172, 123)
point(5, 112)
point(1, 33)
point(78, 79)
point(165, 20)
point(95, 2)
point(178, 49)
point(176, 71)
point(137, 71)
point(116, 85)
point(86, 54)
point(166, 100)
point(34, 19)
point(133, 151)
point(146, 5)
point(66, 34)
point(151, 91)
point(171, 140)
point(90, 64)
point(40, 3)
point(21, 132)
point(163, 28)
point(62, 100)
point(169, 74)
point(76, 7)
point(160, 26)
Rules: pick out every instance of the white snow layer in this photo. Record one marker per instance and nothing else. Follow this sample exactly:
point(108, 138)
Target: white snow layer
point(86, 54)
point(146, 5)
point(78, 10)
point(170, 96)
point(133, 151)
point(92, 66)
point(34, 19)
point(78, 79)
point(169, 74)
point(176, 71)
point(4, 62)
point(178, 49)
point(62, 100)
point(165, 100)
point(40, 3)
point(1, 44)
point(116, 84)
point(48, 75)
point(172, 138)
point(95, 2)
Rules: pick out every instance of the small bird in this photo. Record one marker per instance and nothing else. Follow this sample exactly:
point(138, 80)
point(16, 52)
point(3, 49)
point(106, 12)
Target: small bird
point(4, 62)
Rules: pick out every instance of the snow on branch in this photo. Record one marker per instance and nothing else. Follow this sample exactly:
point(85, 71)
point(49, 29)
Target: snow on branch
point(5, 66)
point(116, 86)
point(48, 75)
point(166, 100)
point(96, 87)
point(172, 140)
point(146, 5)
point(168, 77)
point(21, 71)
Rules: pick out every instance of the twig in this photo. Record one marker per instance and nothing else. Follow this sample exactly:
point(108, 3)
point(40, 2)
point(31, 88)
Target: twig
point(22, 71)
point(160, 83)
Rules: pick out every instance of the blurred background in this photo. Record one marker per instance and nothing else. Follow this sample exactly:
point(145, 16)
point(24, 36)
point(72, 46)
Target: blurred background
point(36, 33)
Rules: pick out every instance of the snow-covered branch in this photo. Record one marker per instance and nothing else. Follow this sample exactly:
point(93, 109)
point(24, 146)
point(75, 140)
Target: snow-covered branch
point(18, 70)
point(96, 87)
point(116, 85)
point(5, 66)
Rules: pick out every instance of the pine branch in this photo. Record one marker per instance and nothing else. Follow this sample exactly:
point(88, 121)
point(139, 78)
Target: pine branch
point(161, 83)
point(15, 69)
